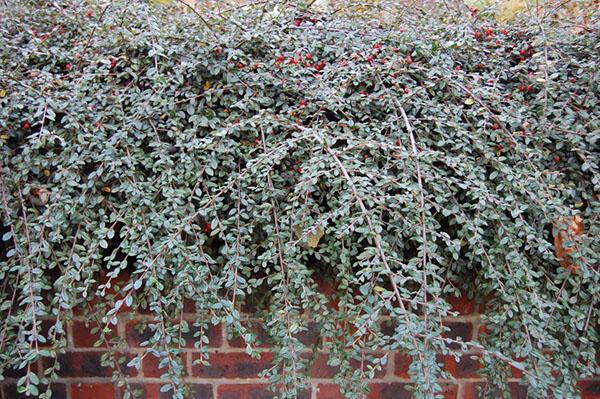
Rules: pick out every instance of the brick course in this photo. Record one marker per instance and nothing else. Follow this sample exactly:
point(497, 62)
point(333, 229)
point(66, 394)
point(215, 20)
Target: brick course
point(232, 374)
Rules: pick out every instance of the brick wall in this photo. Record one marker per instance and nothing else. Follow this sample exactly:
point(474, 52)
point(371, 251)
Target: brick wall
point(234, 375)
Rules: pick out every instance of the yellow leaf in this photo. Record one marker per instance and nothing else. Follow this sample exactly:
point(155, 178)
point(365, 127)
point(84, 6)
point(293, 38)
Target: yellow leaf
point(469, 101)
point(379, 289)
point(313, 239)
point(578, 204)
point(206, 85)
point(509, 8)
point(2, 93)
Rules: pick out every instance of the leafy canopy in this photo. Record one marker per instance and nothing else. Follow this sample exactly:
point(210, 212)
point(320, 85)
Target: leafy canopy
point(152, 156)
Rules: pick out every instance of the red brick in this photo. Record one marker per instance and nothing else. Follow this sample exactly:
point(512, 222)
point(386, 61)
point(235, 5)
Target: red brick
point(150, 366)
point(397, 390)
point(467, 367)
point(253, 305)
point(232, 365)
point(18, 373)
point(464, 330)
point(59, 391)
point(137, 332)
point(123, 360)
point(450, 391)
point(189, 306)
point(590, 389)
point(311, 335)
point(329, 391)
point(144, 390)
point(482, 330)
point(152, 391)
point(256, 327)
point(198, 391)
point(320, 369)
point(83, 336)
point(244, 391)
point(402, 364)
point(462, 304)
point(96, 391)
point(251, 391)
point(516, 373)
point(328, 288)
point(475, 390)
point(47, 330)
point(392, 390)
point(81, 364)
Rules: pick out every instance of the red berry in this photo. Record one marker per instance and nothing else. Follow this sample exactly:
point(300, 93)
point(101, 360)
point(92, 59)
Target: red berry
point(280, 59)
point(505, 31)
point(522, 52)
point(573, 80)
point(299, 169)
point(302, 103)
point(528, 88)
point(113, 63)
point(377, 46)
point(26, 125)
point(499, 147)
point(406, 90)
point(89, 14)
point(556, 159)
point(68, 67)
point(409, 60)
point(488, 32)
point(477, 35)
point(308, 56)
point(297, 22)
point(495, 126)
point(207, 228)
point(457, 68)
point(320, 66)
point(240, 65)
point(292, 60)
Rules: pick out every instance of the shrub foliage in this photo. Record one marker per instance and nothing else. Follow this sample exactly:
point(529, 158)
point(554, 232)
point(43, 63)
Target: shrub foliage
point(152, 156)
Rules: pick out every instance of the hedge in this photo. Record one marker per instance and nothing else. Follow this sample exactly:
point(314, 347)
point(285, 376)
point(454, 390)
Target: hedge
point(153, 156)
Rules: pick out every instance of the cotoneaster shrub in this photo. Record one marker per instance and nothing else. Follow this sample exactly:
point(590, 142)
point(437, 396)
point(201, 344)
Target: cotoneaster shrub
point(151, 155)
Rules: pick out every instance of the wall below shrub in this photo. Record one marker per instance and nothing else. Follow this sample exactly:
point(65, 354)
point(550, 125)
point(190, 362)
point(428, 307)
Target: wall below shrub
point(232, 374)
